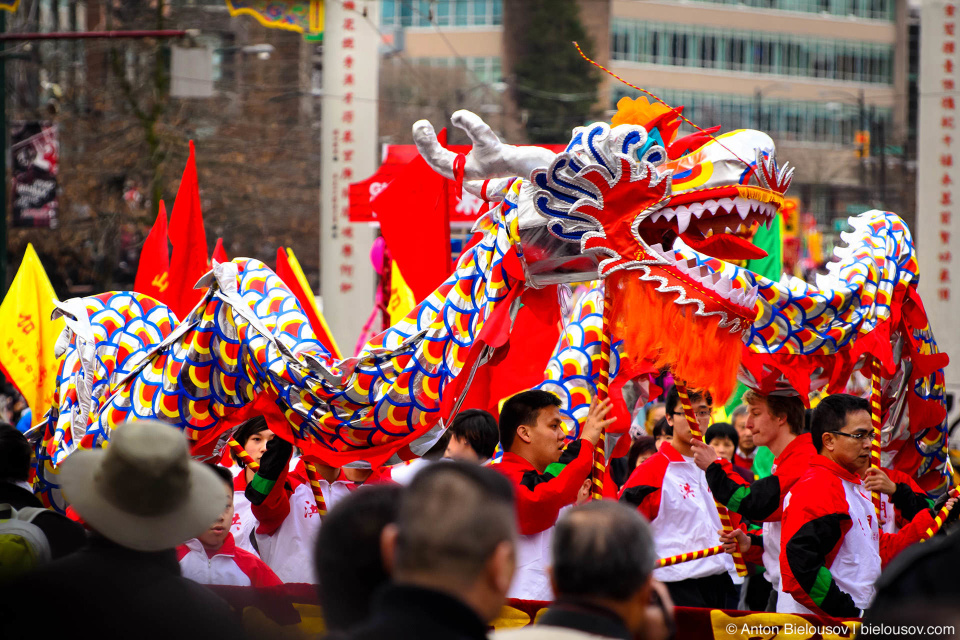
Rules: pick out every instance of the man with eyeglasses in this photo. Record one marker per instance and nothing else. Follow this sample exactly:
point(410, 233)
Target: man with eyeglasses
point(672, 493)
point(833, 549)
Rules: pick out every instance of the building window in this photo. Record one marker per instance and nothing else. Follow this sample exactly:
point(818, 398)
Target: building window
point(828, 123)
point(865, 9)
point(748, 51)
point(441, 13)
point(480, 70)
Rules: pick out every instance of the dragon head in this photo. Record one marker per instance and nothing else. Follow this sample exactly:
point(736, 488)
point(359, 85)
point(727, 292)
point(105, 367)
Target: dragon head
point(657, 217)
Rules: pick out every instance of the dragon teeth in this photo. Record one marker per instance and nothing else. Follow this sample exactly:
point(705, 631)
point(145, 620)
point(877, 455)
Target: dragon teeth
point(683, 221)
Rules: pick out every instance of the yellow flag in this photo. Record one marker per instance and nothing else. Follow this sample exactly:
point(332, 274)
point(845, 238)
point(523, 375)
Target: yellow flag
point(28, 335)
point(401, 300)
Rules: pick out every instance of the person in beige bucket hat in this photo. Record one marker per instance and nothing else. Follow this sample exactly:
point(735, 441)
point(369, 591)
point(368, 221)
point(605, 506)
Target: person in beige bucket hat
point(143, 491)
point(142, 495)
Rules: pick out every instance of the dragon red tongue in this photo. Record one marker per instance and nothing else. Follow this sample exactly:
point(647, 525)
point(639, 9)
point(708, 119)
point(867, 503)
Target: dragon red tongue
point(725, 246)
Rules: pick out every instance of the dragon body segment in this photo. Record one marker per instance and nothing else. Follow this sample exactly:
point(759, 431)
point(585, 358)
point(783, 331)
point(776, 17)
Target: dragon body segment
point(248, 348)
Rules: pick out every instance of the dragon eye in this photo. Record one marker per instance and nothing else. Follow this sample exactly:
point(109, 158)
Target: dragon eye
point(655, 157)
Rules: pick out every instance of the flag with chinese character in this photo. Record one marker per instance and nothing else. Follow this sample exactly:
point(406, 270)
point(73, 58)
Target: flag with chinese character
point(288, 270)
point(153, 278)
point(188, 262)
point(28, 335)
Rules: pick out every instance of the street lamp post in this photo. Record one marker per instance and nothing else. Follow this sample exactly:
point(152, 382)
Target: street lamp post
point(864, 123)
point(758, 94)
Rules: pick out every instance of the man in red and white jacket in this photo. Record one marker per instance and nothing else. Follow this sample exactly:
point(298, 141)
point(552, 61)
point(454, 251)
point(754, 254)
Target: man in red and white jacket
point(533, 438)
point(214, 558)
point(775, 422)
point(832, 548)
point(673, 494)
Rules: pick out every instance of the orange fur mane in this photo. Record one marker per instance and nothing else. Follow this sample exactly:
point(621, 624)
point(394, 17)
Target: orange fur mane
point(668, 335)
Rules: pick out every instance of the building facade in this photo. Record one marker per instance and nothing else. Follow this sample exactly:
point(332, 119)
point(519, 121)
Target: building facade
point(827, 79)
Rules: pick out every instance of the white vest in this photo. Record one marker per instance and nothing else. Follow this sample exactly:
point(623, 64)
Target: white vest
point(244, 522)
point(771, 552)
point(289, 551)
point(531, 581)
point(856, 567)
point(687, 521)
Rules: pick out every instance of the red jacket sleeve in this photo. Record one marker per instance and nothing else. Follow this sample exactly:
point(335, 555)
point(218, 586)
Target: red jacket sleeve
point(274, 510)
point(892, 544)
point(540, 496)
point(256, 569)
point(643, 488)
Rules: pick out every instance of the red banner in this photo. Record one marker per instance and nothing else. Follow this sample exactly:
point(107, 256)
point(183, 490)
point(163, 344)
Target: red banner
point(265, 611)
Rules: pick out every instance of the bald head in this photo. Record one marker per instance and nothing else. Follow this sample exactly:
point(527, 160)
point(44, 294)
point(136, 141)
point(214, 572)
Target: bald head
point(602, 550)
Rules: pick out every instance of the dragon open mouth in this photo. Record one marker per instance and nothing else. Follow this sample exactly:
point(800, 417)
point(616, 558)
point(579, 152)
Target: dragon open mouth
point(711, 227)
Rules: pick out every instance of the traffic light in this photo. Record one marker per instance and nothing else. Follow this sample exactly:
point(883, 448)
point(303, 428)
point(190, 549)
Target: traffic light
point(862, 140)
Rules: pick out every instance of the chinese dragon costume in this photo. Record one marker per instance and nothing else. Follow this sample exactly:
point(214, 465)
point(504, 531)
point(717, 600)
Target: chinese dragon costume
point(652, 216)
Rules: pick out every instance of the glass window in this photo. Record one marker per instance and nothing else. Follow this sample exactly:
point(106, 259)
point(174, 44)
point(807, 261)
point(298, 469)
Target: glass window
point(864, 9)
point(831, 124)
point(756, 52)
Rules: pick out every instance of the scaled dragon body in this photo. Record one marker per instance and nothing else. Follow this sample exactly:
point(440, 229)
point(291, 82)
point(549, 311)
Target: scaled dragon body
point(626, 203)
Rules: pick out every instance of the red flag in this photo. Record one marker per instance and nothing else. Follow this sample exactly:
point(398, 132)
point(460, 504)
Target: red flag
point(288, 270)
point(533, 337)
point(219, 253)
point(188, 262)
point(152, 277)
point(413, 221)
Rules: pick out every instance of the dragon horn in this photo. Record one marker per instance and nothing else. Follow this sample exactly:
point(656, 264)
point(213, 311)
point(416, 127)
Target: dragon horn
point(489, 157)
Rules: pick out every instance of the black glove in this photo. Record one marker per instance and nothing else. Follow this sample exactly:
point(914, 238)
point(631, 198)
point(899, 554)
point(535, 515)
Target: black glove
point(952, 516)
point(272, 464)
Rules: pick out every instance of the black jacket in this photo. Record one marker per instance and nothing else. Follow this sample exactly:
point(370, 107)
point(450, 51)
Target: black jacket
point(107, 591)
point(581, 616)
point(403, 612)
point(64, 535)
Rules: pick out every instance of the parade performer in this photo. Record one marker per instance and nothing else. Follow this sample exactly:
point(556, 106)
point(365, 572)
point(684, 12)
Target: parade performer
point(673, 494)
point(214, 558)
point(252, 437)
point(290, 507)
point(776, 422)
point(833, 549)
point(533, 438)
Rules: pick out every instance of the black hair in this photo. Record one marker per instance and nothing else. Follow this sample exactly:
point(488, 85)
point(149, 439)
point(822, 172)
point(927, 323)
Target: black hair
point(14, 454)
point(478, 428)
point(347, 555)
point(244, 432)
point(439, 447)
point(523, 408)
point(722, 430)
point(640, 446)
point(831, 415)
point(452, 517)
point(673, 399)
point(223, 472)
point(662, 428)
point(602, 550)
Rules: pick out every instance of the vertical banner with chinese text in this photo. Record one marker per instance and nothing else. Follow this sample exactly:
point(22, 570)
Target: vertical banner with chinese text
point(938, 180)
point(35, 152)
point(349, 154)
